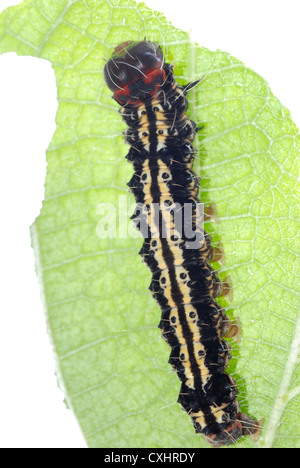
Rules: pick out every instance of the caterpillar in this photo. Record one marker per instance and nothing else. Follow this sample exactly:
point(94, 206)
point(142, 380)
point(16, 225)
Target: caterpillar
point(184, 284)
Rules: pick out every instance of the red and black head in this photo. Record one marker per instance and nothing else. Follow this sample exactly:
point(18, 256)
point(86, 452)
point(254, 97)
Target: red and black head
point(135, 71)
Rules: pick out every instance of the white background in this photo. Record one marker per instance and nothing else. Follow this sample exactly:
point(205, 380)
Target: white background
point(264, 34)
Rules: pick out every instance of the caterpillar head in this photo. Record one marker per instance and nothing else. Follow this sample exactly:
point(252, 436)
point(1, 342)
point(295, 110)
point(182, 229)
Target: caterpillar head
point(135, 71)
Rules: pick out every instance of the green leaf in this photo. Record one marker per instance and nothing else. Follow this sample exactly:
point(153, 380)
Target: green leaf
point(112, 363)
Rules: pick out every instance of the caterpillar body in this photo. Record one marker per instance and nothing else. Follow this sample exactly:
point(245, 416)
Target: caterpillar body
point(183, 283)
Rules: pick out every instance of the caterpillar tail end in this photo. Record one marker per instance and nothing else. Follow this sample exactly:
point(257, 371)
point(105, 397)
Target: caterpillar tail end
point(243, 425)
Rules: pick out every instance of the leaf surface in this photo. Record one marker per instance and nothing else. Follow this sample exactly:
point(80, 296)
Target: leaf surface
point(111, 361)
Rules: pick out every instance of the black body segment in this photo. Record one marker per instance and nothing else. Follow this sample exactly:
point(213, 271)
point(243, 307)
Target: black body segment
point(183, 282)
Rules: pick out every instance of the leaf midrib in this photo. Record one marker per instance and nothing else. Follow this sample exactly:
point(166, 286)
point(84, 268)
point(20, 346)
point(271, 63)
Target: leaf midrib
point(283, 396)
